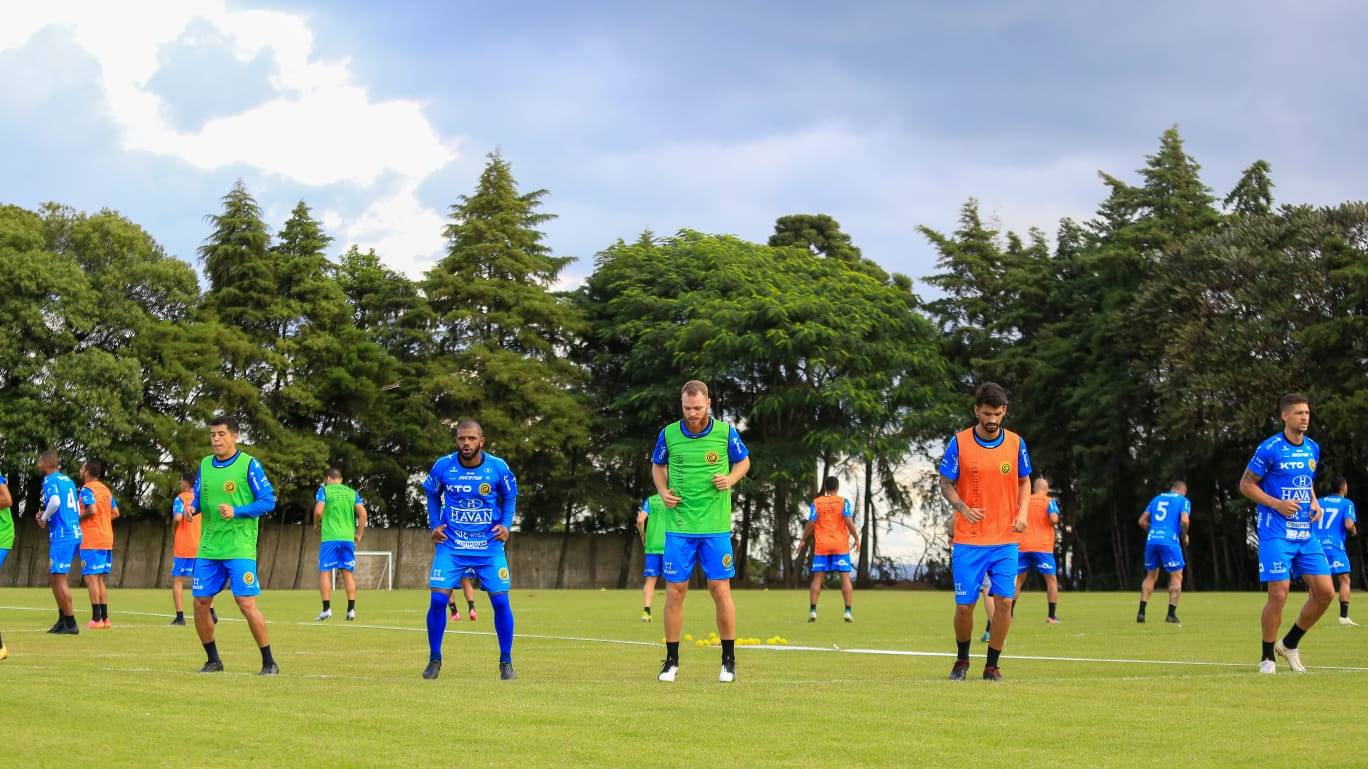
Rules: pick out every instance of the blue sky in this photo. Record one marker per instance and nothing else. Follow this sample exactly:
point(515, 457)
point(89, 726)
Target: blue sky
point(715, 116)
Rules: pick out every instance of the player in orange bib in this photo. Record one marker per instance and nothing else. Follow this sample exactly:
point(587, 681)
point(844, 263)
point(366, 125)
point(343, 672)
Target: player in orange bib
point(186, 524)
point(831, 523)
point(985, 475)
point(98, 511)
point(1036, 545)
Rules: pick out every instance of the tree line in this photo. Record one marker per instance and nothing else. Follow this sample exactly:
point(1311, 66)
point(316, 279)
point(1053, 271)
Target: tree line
point(1146, 343)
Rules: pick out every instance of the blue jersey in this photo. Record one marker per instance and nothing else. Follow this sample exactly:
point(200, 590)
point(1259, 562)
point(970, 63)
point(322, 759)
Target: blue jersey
point(1330, 528)
point(471, 501)
point(1167, 512)
point(65, 523)
point(736, 449)
point(949, 463)
point(1285, 471)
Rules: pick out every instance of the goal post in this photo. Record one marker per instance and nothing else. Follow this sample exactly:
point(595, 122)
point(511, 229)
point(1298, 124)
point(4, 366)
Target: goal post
point(374, 570)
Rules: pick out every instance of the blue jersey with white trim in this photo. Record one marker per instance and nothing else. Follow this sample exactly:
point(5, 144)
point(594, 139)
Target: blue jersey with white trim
point(1166, 516)
point(471, 501)
point(1331, 527)
point(1286, 470)
point(65, 524)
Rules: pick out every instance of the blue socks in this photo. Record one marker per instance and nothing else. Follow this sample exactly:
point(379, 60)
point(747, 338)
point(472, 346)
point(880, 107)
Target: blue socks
point(503, 624)
point(437, 622)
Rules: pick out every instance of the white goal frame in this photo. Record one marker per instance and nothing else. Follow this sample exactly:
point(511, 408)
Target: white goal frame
point(389, 566)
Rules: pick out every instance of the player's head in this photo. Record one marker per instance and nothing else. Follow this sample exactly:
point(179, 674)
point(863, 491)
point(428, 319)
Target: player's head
point(694, 401)
point(1295, 409)
point(333, 475)
point(831, 484)
point(92, 470)
point(223, 435)
point(990, 406)
point(1179, 486)
point(187, 483)
point(48, 462)
point(470, 439)
point(1338, 485)
point(1041, 485)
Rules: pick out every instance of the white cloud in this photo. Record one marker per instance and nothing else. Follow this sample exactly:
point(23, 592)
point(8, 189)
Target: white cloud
point(320, 128)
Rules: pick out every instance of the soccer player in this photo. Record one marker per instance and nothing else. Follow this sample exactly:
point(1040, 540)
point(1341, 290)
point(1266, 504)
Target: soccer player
point(651, 526)
point(831, 523)
point(99, 508)
point(340, 516)
point(468, 591)
point(1280, 480)
point(696, 462)
point(1036, 546)
point(186, 525)
point(471, 499)
point(62, 518)
point(6, 536)
point(1166, 518)
point(233, 492)
point(985, 475)
point(1339, 519)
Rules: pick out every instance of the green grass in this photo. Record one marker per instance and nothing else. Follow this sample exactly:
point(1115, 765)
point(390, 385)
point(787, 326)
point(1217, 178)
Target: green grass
point(350, 695)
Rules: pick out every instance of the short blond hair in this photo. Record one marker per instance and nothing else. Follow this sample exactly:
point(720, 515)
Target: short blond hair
point(694, 387)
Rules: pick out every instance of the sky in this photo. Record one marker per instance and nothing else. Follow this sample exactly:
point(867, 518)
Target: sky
point(716, 116)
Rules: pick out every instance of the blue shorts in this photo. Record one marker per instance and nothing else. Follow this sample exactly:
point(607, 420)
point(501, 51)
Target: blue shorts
point(1167, 554)
point(449, 567)
point(1338, 558)
point(1043, 563)
point(682, 551)
point(4, 552)
point(970, 563)
point(837, 562)
point(655, 563)
point(60, 555)
point(1281, 560)
point(337, 555)
point(97, 561)
point(212, 574)
point(183, 567)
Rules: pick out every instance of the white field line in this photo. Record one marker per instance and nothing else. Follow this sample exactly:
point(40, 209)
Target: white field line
point(761, 647)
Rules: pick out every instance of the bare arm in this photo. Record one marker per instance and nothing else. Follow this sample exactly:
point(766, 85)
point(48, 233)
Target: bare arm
point(1023, 494)
point(660, 475)
point(1144, 520)
point(1316, 510)
point(854, 532)
point(807, 532)
point(318, 514)
point(641, 524)
point(947, 488)
point(1186, 521)
point(1249, 487)
point(738, 471)
point(87, 512)
point(360, 521)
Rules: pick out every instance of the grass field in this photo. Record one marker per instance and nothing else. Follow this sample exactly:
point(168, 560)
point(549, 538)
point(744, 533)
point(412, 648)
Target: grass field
point(349, 694)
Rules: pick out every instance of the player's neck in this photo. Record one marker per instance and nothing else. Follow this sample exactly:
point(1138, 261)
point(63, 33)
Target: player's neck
point(1293, 438)
point(978, 430)
point(479, 460)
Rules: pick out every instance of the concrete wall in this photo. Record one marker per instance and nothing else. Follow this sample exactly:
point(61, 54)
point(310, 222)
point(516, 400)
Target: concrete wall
point(287, 557)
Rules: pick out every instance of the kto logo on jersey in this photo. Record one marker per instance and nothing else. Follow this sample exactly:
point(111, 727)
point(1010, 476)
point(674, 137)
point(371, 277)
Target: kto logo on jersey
point(1294, 464)
point(1005, 467)
point(712, 457)
point(484, 489)
point(229, 487)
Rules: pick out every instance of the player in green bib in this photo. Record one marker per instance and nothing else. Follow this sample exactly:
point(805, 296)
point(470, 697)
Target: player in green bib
point(231, 494)
point(651, 526)
point(340, 519)
point(696, 462)
point(6, 536)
